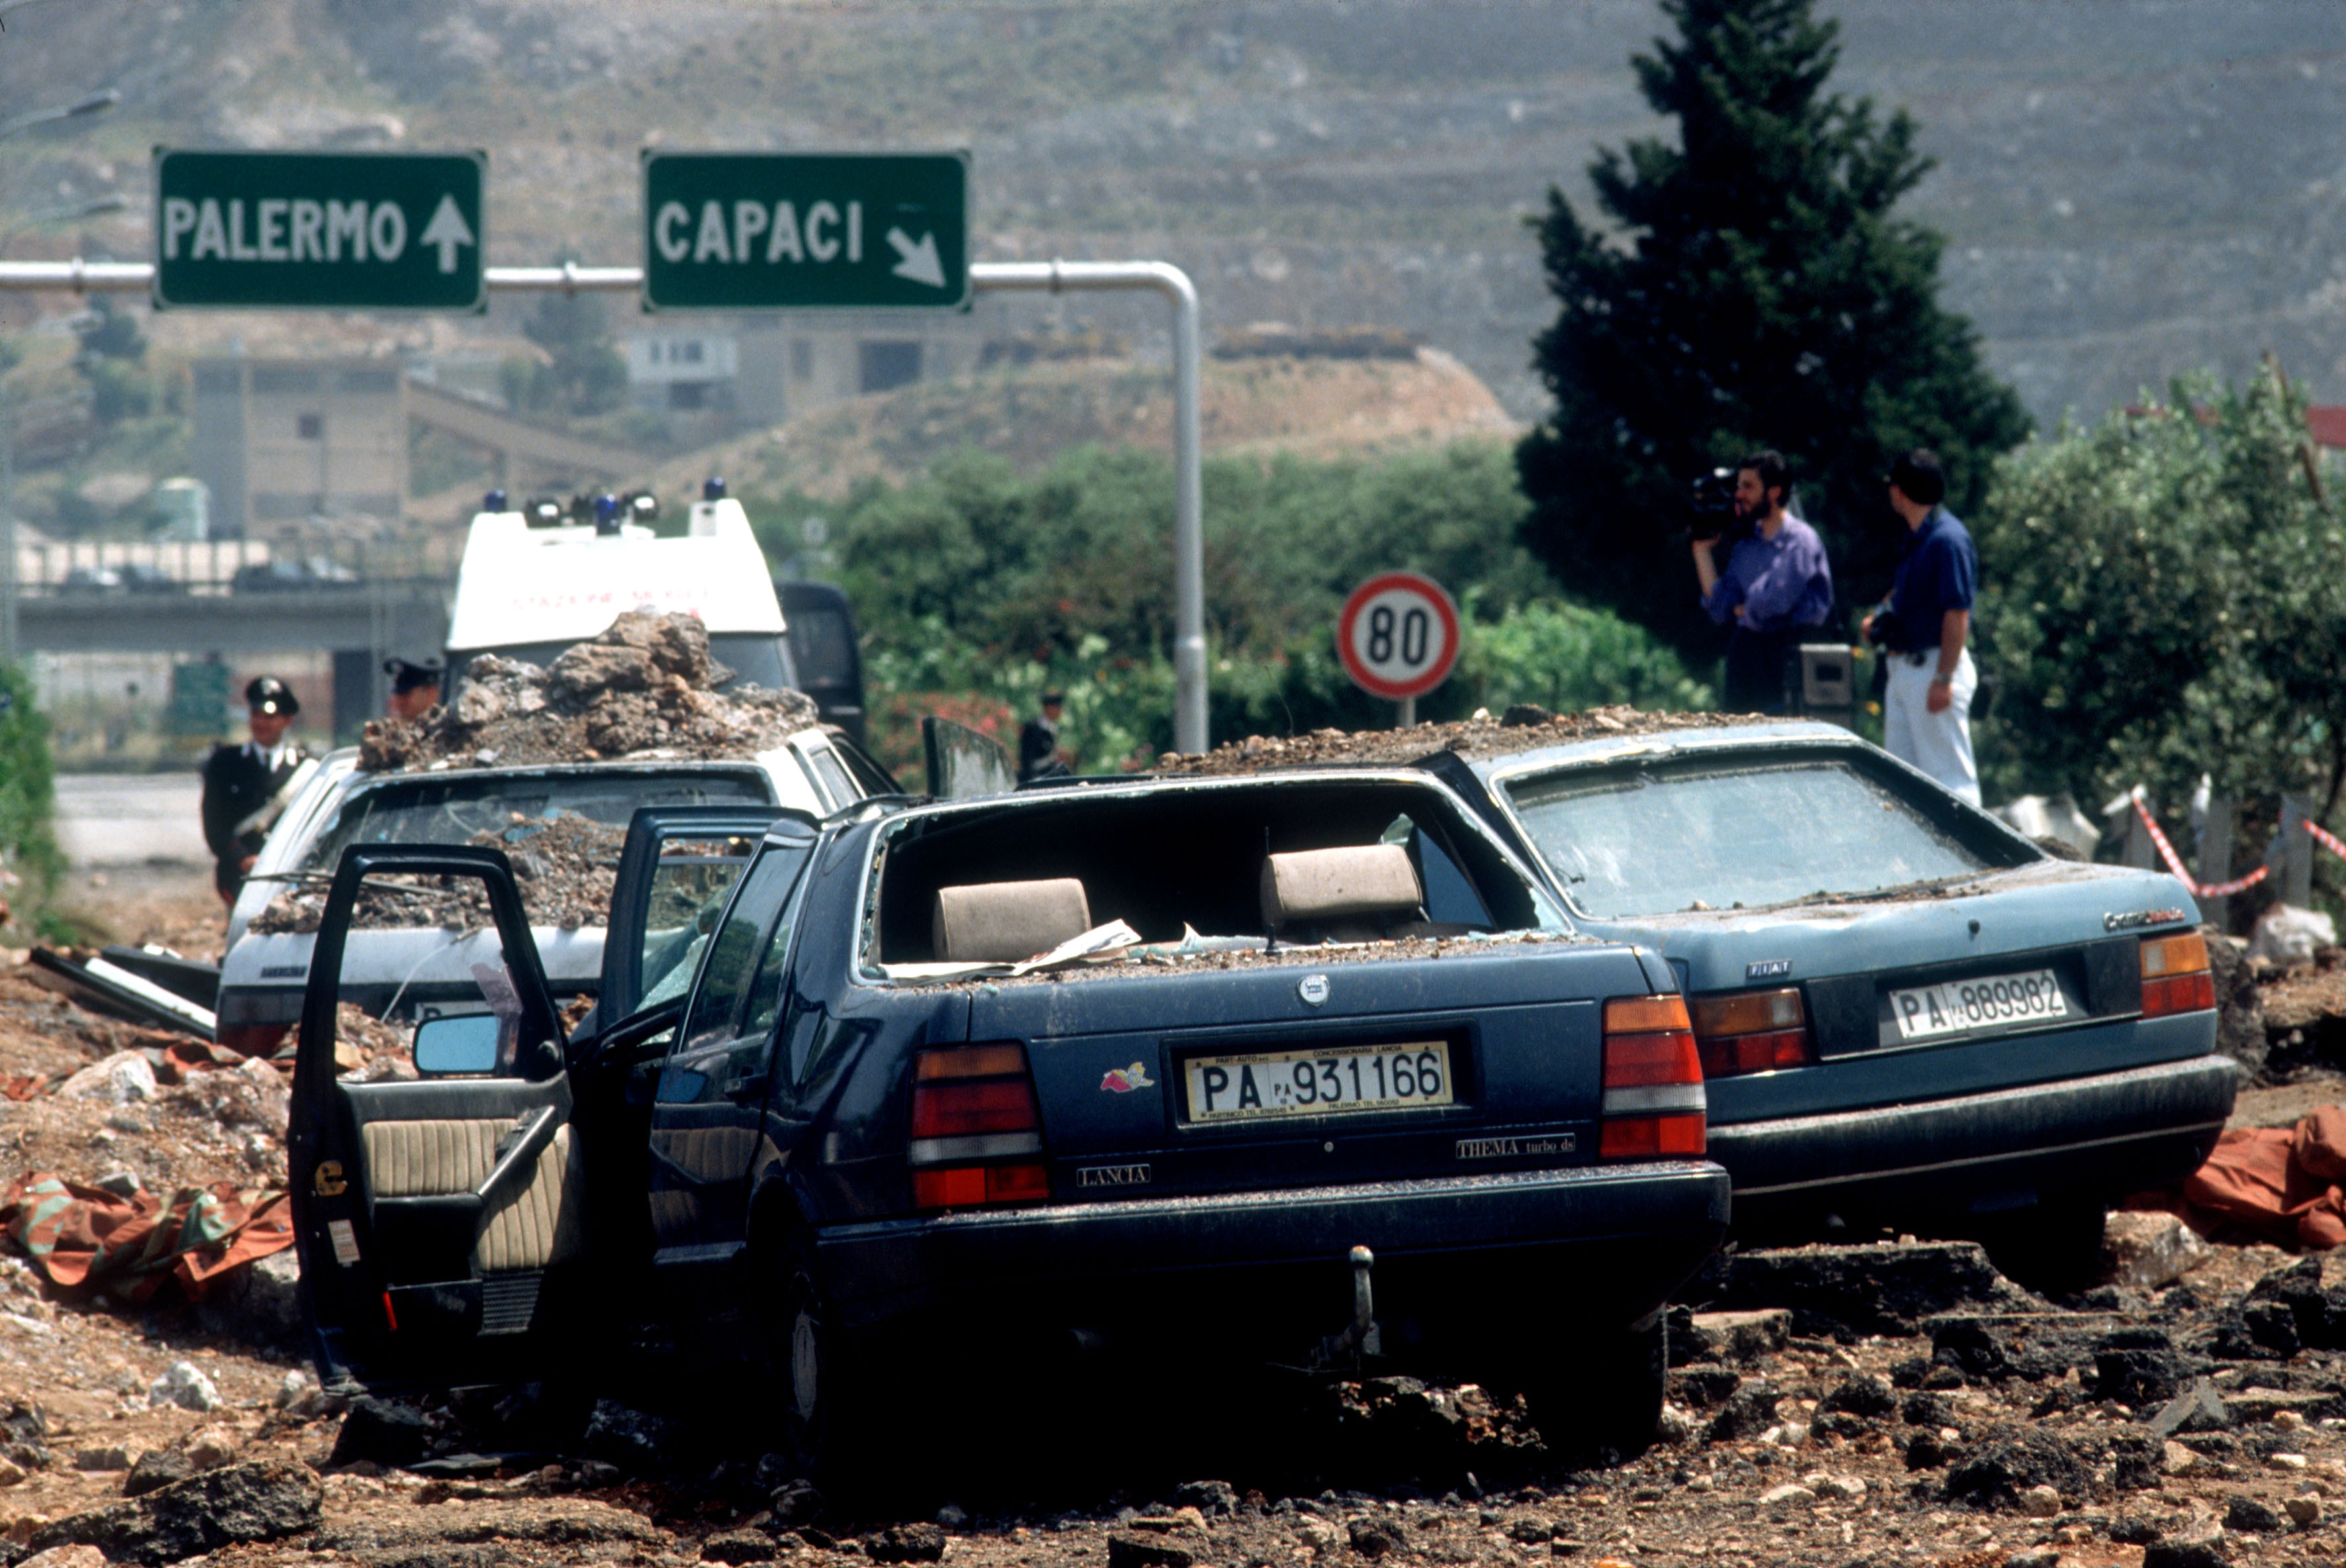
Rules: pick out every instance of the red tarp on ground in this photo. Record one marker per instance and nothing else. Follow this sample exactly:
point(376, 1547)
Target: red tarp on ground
point(128, 1246)
point(2282, 1184)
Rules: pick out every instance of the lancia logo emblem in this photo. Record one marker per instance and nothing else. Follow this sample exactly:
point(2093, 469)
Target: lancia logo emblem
point(1313, 989)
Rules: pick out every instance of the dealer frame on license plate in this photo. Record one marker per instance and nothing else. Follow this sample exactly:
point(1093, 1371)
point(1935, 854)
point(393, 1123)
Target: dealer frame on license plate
point(1317, 1081)
point(1957, 1007)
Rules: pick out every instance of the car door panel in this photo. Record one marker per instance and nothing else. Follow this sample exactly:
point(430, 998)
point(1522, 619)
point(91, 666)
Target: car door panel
point(709, 1106)
point(431, 1214)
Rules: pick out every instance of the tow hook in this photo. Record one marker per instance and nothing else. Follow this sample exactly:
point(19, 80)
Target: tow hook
point(1360, 1337)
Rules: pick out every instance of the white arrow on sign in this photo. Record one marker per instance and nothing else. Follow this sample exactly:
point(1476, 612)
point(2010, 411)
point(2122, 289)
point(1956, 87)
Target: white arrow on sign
point(448, 229)
point(919, 262)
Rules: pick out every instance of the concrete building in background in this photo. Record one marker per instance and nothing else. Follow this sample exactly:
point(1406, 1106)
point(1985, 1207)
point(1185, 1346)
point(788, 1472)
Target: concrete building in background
point(788, 367)
point(280, 441)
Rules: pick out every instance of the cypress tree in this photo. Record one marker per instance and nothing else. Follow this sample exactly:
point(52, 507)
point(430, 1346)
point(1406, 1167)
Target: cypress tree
point(1753, 289)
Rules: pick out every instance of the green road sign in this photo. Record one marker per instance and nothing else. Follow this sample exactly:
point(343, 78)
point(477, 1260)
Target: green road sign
point(345, 231)
point(746, 231)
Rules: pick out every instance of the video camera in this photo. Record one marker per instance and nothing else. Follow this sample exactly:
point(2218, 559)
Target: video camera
point(1711, 506)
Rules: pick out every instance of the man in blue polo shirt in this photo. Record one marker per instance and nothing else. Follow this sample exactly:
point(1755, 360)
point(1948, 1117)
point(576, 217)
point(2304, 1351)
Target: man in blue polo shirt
point(1926, 711)
point(1777, 586)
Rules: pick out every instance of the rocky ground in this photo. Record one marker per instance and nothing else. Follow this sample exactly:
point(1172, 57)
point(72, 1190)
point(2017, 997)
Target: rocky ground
point(1888, 1403)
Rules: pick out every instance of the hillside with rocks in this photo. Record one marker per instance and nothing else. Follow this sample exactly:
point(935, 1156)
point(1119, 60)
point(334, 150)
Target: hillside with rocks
point(2130, 188)
point(1314, 407)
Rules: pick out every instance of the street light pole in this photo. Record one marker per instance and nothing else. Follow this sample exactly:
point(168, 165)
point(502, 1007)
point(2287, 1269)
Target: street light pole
point(80, 108)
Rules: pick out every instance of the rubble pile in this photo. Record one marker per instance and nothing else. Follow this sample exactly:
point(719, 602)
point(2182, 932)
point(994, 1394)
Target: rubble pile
point(1525, 727)
point(645, 685)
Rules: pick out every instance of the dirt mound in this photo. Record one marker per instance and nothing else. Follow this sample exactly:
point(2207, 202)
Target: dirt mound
point(1526, 727)
point(646, 685)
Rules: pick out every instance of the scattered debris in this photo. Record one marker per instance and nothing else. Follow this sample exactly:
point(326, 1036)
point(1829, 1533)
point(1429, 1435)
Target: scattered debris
point(1886, 1288)
point(267, 1501)
point(186, 1386)
point(2273, 1184)
point(2142, 1251)
point(1523, 729)
point(130, 1244)
point(132, 993)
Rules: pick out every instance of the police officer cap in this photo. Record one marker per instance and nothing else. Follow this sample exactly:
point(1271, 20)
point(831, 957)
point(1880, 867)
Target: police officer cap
point(267, 694)
point(407, 675)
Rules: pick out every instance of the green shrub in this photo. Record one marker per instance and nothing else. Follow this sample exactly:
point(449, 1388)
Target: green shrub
point(28, 849)
point(2160, 599)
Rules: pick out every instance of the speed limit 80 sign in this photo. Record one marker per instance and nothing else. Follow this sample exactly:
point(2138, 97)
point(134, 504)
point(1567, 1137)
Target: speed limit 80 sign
point(1397, 636)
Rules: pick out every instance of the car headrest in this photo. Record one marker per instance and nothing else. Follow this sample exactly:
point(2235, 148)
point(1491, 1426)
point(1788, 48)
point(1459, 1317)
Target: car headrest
point(1006, 922)
point(1313, 886)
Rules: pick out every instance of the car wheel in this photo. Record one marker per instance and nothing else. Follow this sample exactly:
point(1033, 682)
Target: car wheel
point(1600, 1397)
point(808, 1368)
point(2054, 1247)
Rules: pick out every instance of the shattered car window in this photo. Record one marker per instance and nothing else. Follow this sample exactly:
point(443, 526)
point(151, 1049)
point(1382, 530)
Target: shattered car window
point(687, 895)
point(1187, 867)
point(562, 830)
point(1653, 841)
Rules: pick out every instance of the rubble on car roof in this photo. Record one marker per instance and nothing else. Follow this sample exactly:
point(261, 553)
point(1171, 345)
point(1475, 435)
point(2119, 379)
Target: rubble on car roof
point(646, 687)
point(1523, 727)
point(565, 867)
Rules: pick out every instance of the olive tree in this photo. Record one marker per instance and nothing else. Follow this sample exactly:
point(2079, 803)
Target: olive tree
point(2162, 598)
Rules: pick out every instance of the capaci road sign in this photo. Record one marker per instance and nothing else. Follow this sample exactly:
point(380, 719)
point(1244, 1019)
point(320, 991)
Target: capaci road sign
point(736, 231)
point(370, 231)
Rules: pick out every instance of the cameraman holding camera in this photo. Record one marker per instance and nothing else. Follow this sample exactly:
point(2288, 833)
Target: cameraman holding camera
point(1777, 584)
point(1926, 708)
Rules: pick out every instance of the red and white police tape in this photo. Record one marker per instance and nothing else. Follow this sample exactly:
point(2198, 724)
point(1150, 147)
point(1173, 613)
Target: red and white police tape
point(2210, 890)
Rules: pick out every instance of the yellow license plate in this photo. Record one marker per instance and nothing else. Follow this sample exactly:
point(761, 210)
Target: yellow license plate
point(1328, 1081)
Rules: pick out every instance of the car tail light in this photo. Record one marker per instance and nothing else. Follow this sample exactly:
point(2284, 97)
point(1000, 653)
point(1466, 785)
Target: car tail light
point(1754, 1032)
point(976, 1134)
point(2174, 975)
point(1654, 1104)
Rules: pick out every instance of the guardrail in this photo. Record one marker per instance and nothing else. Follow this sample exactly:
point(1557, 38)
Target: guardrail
point(229, 566)
point(1040, 276)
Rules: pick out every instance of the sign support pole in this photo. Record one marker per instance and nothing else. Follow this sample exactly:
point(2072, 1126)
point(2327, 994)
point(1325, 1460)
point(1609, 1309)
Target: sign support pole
point(1190, 730)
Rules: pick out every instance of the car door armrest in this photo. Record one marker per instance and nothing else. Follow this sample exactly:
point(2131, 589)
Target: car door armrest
point(517, 1154)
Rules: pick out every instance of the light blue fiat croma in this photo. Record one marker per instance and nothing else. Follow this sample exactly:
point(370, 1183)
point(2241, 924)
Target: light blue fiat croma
point(1908, 1014)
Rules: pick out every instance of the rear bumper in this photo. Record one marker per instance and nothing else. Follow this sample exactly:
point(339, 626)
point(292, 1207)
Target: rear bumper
point(1272, 1266)
point(2099, 1136)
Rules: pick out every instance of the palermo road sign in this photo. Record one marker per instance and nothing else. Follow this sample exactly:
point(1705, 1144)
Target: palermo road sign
point(370, 232)
point(737, 231)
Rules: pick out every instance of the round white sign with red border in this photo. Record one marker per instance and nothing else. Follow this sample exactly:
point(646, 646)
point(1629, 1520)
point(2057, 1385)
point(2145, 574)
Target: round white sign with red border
point(1397, 636)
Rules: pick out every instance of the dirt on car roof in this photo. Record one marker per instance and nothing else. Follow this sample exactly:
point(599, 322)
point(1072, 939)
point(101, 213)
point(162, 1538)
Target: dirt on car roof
point(1525, 727)
point(1158, 958)
point(647, 688)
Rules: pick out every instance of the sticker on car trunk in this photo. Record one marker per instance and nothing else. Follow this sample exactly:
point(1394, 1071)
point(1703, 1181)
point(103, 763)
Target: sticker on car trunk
point(1973, 1007)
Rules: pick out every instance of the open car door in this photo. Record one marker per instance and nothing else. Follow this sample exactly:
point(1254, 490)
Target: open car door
point(441, 1218)
point(676, 869)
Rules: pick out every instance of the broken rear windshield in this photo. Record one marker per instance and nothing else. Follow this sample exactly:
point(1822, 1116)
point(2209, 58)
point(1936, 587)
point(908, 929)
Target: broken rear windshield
point(1657, 840)
point(427, 811)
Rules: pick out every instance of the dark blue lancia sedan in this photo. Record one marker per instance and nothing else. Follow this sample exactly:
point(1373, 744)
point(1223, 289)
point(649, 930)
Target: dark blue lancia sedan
point(1306, 1070)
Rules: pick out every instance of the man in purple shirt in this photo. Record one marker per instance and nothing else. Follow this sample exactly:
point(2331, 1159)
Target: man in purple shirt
point(1776, 585)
